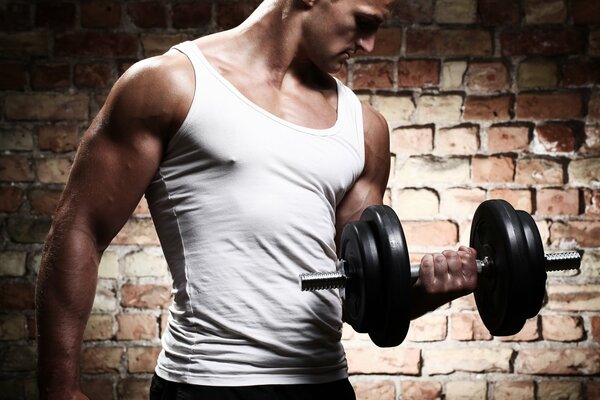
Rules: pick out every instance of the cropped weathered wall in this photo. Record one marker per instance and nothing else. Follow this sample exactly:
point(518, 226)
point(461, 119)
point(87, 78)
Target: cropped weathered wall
point(485, 99)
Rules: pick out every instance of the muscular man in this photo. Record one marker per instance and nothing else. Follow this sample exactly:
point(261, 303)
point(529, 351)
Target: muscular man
point(252, 157)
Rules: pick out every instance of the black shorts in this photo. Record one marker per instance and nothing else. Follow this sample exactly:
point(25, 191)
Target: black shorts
point(161, 389)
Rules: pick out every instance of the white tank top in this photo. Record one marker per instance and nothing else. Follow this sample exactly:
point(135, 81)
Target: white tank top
point(244, 202)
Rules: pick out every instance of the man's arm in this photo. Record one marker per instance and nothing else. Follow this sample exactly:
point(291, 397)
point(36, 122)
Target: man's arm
point(115, 162)
point(444, 276)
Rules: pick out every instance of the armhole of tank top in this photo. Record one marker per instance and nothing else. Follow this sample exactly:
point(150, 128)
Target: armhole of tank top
point(360, 130)
point(185, 49)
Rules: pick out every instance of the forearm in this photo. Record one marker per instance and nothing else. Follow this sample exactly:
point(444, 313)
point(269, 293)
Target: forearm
point(65, 293)
point(423, 302)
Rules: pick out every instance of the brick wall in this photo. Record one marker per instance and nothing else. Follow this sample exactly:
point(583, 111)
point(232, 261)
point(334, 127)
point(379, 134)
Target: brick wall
point(485, 99)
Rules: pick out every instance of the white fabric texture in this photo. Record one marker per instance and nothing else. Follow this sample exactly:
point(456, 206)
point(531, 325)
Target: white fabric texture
point(244, 202)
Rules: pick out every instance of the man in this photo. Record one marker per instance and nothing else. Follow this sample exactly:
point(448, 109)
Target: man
point(252, 158)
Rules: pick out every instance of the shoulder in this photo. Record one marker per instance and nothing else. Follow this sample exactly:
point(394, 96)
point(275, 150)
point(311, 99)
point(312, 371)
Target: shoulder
point(375, 126)
point(156, 91)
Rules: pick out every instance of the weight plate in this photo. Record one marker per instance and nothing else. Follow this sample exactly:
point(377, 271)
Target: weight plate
point(361, 266)
point(497, 233)
point(393, 320)
point(536, 267)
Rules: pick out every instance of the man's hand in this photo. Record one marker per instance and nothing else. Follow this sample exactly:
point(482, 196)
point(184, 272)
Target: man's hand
point(449, 272)
point(443, 278)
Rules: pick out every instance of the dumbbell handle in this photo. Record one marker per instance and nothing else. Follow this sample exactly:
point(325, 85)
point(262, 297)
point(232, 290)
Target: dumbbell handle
point(336, 280)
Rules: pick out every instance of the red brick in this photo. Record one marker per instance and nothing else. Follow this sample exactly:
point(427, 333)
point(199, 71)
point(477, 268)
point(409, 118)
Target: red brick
point(58, 138)
point(17, 296)
point(15, 169)
point(11, 198)
point(557, 202)
point(584, 171)
point(529, 332)
point(142, 359)
point(468, 327)
point(380, 390)
point(487, 77)
point(592, 202)
point(100, 44)
point(592, 389)
point(542, 42)
point(584, 233)
point(53, 170)
point(531, 171)
point(421, 390)
point(520, 199)
point(505, 138)
point(28, 230)
point(420, 233)
point(137, 327)
point(545, 11)
point(97, 360)
point(462, 140)
point(47, 106)
point(492, 169)
point(562, 328)
point(12, 327)
point(446, 361)
point(373, 74)
point(591, 144)
point(558, 361)
point(557, 137)
point(12, 76)
point(585, 11)
point(55, 15)
point(17, 359)
point(413, 11)
point(412, 140)
point(232, 14)
point(581, 72)
point(93, 76)
point(388, 42)
point(25, 44)
point(198, 14)
point(50, 76)
point(549, 106)
point(396, 360)
point(138, 231)
point(145, 296)
point(488, 108)
point(97, 389)
point(98, 327)
point(514, 390)
point(148, 14)
point(44, 201)
point(418, 73)
point(596, 328)
point(499, 12)
point(465, 42)
point(15, 17)
point(428, 328)
point(100, 14)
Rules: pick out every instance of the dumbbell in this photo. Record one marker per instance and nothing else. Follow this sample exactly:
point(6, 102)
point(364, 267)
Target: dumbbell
point(375, 277)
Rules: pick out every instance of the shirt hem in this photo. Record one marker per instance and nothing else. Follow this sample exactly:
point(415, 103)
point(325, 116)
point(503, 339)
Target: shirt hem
point(236, 380)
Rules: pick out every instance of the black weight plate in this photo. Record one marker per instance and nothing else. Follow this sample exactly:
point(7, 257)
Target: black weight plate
point(536, 266)
point(496, 232)
point(393, 320)
point(359, 251)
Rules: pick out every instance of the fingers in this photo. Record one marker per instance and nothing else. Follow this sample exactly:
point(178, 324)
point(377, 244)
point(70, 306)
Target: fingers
point(449, 271)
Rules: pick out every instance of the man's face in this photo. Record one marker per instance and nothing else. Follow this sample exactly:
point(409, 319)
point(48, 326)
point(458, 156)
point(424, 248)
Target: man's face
point(334, 31)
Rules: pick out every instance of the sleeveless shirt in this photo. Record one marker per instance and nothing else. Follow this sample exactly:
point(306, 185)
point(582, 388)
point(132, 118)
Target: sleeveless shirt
point(243, 202)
